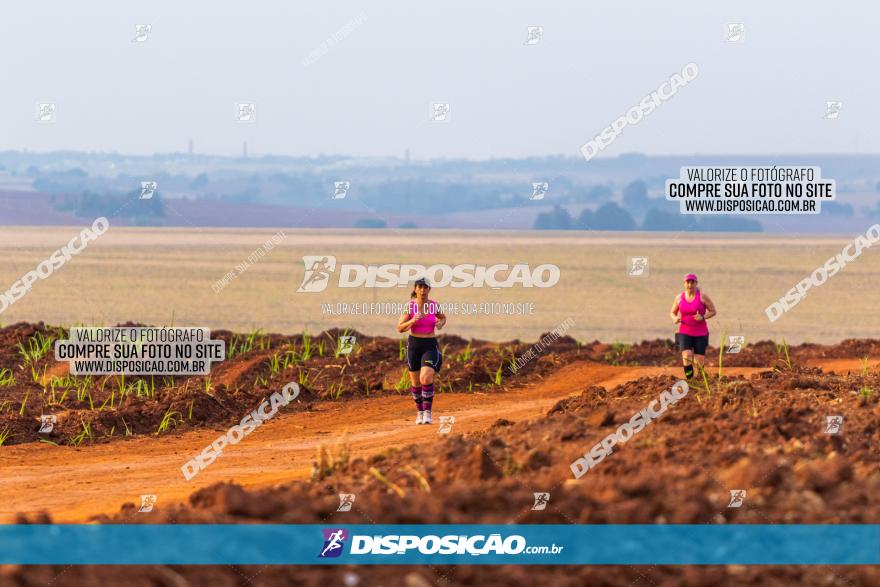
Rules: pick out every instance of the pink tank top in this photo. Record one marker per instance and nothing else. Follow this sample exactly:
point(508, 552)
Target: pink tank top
point(425, 325)
point(687, 310)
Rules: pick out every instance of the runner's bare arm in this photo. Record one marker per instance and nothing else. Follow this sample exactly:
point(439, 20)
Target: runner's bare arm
point(710, 307)
point(441, 320)
point(673, 313)
point(405, 323)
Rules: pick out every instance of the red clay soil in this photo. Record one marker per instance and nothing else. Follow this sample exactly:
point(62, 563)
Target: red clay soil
point(436, 576)
point(102, 412)
point(767, 433)
point(112, 408)
point(765, 353)
point(761, 430)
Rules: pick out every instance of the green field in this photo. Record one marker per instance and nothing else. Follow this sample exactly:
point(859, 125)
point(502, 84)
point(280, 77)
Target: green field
point(159, 276)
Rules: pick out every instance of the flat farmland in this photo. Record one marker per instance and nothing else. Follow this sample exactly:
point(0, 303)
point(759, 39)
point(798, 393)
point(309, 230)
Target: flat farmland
point(162, 276)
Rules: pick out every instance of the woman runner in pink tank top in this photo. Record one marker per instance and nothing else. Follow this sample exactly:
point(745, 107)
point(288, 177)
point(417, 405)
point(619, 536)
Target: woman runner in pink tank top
point(690, 310)
point(423, 357)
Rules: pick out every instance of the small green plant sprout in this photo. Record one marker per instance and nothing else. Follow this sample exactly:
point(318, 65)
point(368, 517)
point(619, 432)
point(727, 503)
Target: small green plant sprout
point(511, 363)
point(169, 419)
point(251, 339)
point(265, 342)
point(120, 384)
point(54, 382)
point(4, 434)
point(401, 349)
point(289, 357)
point(208, 386)
point(82, 386)
point(6, 378)
point(498, 374)
point(142, 389)
point(866, 392)
point(705, 379)
point(307, 347)
point(465, 355)
point(37, 347)
point(423, 483)
point(303, 377)
point(617, 351)
point(783, 348)
point(274, 363)
point(234, 346)
point(403, 383)
point(23, 403)
point(85, 433)
point(864, 367)
point(331, 458)
point(37, 376)
point(111, 399)
point(389, 484)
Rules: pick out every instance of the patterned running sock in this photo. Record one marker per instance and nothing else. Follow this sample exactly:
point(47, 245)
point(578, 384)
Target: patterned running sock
point(688, 371)
point(427, 396)
point(417, 396)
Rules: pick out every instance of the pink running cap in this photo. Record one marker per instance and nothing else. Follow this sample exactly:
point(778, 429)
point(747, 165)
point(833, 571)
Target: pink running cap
point(690, 277)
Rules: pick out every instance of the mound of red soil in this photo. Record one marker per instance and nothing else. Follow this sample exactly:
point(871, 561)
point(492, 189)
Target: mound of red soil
point(100, 409)
point(434, 575)
point(765, 353)
point(766, 434)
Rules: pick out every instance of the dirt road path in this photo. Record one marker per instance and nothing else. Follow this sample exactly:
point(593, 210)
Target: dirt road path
point(842, 366)
point(74, 483)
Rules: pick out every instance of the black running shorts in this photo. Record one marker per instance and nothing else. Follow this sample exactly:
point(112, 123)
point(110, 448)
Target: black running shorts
point(698, 344)
point(423, 352)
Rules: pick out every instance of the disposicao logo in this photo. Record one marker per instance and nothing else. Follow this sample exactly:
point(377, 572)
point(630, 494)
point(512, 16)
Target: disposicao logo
point(334, 541)
point(318, 270)
point(501, 275)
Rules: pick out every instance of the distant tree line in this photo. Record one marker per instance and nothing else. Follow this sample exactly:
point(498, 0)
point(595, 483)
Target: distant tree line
point(91, 205)
point(611, 216)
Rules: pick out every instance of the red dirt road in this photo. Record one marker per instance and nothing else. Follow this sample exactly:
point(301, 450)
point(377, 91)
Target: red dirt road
point(72, 484)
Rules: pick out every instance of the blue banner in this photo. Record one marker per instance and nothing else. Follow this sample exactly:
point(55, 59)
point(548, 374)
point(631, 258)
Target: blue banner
point(280, 544)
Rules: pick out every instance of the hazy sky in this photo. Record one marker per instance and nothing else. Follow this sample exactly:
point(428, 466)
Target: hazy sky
point(371, 93)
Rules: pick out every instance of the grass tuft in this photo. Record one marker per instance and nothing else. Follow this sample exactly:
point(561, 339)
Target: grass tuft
point(37, 347)
point(170, 419)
